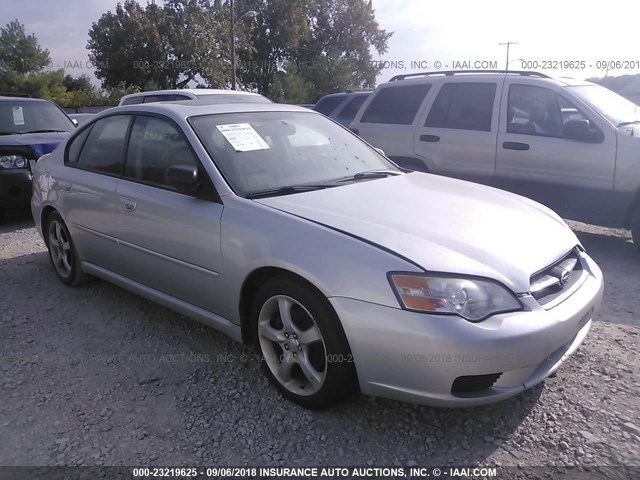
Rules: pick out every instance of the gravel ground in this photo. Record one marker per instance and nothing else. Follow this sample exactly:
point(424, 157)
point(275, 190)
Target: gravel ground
point(99, 376)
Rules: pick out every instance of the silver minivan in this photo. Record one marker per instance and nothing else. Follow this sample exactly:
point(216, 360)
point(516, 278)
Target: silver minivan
point(571, 145)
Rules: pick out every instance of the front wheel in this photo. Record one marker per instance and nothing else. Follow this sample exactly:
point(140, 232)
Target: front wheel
point(62, 252)
point(301, 344)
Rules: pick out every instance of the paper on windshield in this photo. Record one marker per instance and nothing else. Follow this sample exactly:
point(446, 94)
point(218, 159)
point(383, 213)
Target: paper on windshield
point(18, 115)
point(242, 137)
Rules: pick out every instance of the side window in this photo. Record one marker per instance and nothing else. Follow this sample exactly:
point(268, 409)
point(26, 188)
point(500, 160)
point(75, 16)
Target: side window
point(395, 105)
point(156, 145)
point(104, 148)
point(157, 98)
point(464, 106)
point(349, 111)
point(327, 105)
point(133, 100)
point(540, 111)
point(73, 150)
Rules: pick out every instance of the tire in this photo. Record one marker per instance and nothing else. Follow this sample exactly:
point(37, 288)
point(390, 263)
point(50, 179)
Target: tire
point(304, 352)
point(62, 251)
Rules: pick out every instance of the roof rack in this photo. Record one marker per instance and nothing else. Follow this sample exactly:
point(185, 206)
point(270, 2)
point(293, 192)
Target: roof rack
point(448, 73)
point(12, 94)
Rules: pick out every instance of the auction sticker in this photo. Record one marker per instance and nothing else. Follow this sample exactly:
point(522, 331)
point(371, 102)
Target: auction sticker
point(18, 116)
point(243, 137)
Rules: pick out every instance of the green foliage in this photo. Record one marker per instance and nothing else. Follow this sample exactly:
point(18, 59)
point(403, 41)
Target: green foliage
point(326, 42)
point(21, 52)
point(158, 47)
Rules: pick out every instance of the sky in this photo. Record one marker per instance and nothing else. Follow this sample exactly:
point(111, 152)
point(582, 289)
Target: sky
point(427, 35)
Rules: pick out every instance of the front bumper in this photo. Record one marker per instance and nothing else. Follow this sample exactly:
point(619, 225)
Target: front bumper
point(416, 357)
point(15, 187)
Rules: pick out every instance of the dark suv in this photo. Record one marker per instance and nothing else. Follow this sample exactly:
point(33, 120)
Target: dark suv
point(29, 128)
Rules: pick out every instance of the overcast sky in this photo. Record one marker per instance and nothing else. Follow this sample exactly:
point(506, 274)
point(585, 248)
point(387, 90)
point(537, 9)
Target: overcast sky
point(425, 32)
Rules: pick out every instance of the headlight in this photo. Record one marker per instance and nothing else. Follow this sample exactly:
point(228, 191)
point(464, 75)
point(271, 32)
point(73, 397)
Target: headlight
point(12, 161)
point(471, 298)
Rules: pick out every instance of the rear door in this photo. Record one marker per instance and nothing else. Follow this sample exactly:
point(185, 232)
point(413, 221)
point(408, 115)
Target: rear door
point(538, 158)
point(387, 119)
point(170, 239)
point(457, 132)
point(95, 159)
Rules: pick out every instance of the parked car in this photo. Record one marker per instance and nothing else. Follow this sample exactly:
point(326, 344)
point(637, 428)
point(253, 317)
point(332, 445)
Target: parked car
point(29, 128)
point(80, 118)
point(280, 228)
point(213, 95)
point(571, 145)
point(341, 107)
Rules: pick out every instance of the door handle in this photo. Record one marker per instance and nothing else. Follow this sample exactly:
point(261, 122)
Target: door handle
point(128, 204)
point(515, 146)
point(429, 138)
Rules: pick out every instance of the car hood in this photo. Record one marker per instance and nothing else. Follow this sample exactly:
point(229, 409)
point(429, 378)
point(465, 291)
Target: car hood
point(39, 143)
point(442, 224)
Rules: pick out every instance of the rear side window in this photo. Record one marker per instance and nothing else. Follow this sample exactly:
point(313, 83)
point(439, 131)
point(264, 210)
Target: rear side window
point(396, 105)
point(349, 111)
point(327, 105)
point(104, 148)
point(464, 106)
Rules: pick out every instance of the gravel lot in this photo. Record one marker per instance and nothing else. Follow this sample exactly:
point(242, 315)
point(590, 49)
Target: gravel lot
point(99, 376)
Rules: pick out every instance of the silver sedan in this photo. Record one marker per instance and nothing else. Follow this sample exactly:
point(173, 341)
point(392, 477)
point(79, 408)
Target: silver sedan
point(280, 228)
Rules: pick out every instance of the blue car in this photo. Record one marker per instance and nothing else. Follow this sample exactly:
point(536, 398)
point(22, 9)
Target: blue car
point(29, 128)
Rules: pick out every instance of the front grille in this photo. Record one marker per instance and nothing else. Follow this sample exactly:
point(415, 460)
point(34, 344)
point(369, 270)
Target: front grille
point(474, 383)
point(558, 279)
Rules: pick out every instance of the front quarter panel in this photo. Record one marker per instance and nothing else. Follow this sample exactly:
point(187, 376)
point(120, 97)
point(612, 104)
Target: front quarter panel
point(339, 265)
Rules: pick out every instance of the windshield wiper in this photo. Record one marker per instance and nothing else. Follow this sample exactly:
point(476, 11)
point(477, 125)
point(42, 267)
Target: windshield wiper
point(371, 174)
point(288, 190)
point(46, 130)
point(624, 124)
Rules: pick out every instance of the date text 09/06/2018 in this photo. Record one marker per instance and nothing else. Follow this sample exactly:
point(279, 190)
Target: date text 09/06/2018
point(416, 472)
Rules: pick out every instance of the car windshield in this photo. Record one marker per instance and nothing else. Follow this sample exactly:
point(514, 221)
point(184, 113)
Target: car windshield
point(266, 151)
point(614, 107)
point(18, 117)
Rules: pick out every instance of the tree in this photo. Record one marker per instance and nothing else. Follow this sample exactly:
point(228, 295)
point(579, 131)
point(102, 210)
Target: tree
point(168, 46)
point(21, 52)
point(328, 41)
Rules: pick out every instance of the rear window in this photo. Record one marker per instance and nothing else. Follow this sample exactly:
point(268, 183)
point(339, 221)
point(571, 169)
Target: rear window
point(349, 111)
point(232, 98)
point(132, 100)
point(326, 105)
point(396, 105)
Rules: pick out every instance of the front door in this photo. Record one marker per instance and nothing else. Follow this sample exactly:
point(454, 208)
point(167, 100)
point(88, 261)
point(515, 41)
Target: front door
point(170, 239)
point(541, 157)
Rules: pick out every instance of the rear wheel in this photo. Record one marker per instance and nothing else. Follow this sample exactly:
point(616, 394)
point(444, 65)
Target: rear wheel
point(62, 252)
point(301, 344)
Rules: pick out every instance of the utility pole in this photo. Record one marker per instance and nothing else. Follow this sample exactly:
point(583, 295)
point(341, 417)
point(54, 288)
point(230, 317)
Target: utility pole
point(233, 45)
point(508, 44)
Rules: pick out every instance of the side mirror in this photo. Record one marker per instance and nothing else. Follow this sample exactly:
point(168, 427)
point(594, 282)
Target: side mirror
point(183, 178)
point(581, 130)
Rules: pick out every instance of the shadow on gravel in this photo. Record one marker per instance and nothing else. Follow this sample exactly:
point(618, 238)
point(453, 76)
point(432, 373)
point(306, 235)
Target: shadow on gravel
point(619, 261)
point(12, 221)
